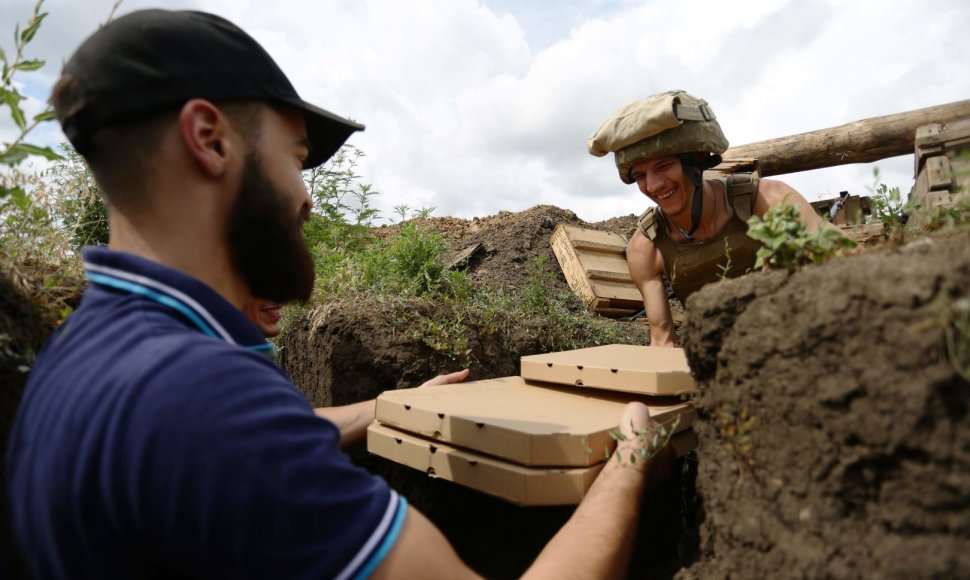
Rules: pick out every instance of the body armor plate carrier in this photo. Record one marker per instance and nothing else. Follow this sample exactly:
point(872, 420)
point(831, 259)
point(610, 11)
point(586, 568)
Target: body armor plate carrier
point(690, 266)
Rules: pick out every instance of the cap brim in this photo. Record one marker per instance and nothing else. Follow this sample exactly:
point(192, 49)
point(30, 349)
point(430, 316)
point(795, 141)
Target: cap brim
point(326, 131)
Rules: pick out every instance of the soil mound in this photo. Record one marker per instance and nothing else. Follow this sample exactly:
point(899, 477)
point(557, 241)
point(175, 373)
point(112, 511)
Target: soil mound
point(345, 352)
point(510, 240)
point(348, 352)
point(834, 434)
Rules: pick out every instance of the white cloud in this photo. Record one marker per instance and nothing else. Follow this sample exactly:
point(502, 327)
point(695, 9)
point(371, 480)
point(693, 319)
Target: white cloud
point(474, 108)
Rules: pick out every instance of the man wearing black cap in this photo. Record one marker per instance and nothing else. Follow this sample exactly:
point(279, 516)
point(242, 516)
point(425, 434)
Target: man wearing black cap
point(155, 438)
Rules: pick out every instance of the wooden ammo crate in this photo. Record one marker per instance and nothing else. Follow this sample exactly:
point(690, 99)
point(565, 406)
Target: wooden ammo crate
point(942, 165)
point(865, 233)
point(594, 263)
point(854, 210)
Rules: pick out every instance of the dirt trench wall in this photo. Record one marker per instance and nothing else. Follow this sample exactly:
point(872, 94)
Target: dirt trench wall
point(834, 433)
point(25, 324)
point(348, 352)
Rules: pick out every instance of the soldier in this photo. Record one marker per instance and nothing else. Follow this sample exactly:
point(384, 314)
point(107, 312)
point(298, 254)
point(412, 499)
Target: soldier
point(663, 144)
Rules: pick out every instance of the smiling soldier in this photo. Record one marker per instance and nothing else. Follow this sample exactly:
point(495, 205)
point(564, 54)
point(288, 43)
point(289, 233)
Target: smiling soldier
point(663, 144)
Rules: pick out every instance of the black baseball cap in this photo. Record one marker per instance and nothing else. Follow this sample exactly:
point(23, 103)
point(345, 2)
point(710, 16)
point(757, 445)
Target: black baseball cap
point(152, 60)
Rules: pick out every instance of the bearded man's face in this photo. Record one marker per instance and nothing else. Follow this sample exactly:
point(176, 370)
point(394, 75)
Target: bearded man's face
point(266, 239)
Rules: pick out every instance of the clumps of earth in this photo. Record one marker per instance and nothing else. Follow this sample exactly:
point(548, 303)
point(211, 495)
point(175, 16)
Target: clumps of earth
point(510, 240)
point(833, 426)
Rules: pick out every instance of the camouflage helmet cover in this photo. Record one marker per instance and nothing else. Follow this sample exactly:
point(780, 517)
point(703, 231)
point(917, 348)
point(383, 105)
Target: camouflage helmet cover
point(668, 123)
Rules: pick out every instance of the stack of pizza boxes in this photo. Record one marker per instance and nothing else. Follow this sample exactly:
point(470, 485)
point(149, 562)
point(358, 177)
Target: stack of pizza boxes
point(542, 437)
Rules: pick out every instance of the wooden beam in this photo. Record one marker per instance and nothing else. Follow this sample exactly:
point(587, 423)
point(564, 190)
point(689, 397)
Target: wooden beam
point(857, 142)
point(609, 276)
point(462, 257)
point(598, 247)
point(729, 165)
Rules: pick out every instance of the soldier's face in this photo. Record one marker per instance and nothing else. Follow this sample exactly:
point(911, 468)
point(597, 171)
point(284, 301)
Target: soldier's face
point(663, 181)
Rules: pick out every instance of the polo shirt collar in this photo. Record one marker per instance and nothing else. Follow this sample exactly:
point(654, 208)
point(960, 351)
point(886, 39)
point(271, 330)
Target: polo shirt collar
point(203, 308)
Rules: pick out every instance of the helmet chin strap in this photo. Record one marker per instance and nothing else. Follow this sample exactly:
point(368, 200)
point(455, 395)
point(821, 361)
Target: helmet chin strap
point(695, 173)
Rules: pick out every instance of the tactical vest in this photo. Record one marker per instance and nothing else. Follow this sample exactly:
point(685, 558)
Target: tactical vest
point(692, 265)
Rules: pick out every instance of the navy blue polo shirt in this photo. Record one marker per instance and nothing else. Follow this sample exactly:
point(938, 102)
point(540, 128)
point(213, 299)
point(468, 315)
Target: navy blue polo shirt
point(156, 439)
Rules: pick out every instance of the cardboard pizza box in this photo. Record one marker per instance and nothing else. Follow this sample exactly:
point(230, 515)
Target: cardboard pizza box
point(525, 486)
point(646, 370)
point(528, 423)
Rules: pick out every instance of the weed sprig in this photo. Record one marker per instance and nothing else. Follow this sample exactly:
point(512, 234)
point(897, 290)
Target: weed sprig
point(786, 242)
point(646, 442)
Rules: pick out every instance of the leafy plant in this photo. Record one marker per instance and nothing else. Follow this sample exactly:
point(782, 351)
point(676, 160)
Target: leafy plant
point(448, 337)
point(18, 150)
point(79, 204)
point(342, 210)
point(38, 258)
point(415, 260)
point(646, 442)
point(570, 324)
point(406, 212)
point(410, 263)
point(536, 295)
point(786, 242)
point(24, 218)
point(888, 206)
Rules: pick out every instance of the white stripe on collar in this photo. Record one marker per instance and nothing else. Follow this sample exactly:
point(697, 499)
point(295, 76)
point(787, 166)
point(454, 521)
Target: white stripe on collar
point(181, 296)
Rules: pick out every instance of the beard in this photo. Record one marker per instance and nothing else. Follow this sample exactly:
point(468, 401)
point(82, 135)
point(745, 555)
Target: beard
point(266, 242)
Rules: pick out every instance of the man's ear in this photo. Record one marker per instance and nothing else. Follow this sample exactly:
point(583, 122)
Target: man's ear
point(207, 136)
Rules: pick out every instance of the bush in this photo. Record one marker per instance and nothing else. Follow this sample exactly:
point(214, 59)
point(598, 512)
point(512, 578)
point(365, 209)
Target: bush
point(78, 202)
point(786, 242)
point(26, 218)
point(888, 205)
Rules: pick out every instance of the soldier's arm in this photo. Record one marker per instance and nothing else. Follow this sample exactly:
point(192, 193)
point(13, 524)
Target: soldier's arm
point(646, 270)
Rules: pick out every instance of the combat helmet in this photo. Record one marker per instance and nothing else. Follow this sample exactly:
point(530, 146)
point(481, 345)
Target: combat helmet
point(670, 123)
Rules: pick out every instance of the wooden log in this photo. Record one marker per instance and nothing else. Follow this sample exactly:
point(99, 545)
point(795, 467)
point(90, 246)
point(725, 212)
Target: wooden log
point(864, 233)
point(729, 166)
point(857, 142)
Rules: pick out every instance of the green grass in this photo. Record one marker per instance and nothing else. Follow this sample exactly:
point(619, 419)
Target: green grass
point(405, 277)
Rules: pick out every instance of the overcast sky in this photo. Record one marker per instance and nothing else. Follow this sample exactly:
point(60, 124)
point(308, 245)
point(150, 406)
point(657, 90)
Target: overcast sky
point(473, 107)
